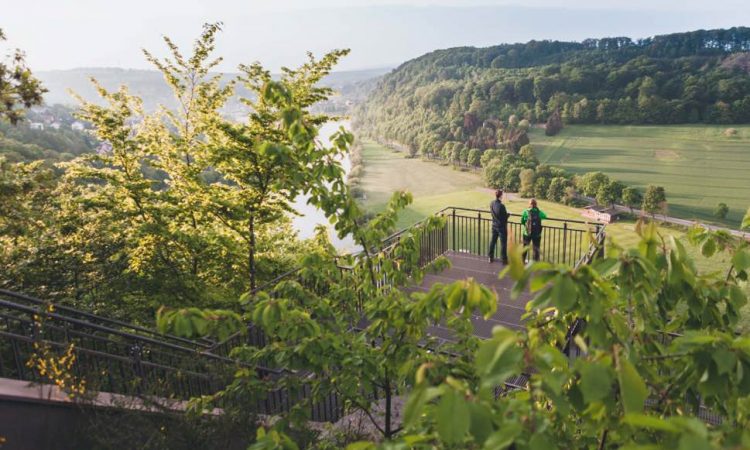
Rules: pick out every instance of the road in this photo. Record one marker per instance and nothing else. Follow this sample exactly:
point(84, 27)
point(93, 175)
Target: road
point(684, 222)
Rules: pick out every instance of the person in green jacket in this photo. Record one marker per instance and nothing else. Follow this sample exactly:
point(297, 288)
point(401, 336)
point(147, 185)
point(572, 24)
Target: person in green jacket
point(531, 223)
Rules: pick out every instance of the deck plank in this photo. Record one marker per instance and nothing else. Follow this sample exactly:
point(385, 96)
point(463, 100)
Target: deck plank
point(509, 311)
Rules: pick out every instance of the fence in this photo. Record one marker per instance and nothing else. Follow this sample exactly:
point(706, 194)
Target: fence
point(563, 241)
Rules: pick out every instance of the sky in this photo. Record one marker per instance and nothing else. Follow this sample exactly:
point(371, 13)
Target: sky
point(66, 34)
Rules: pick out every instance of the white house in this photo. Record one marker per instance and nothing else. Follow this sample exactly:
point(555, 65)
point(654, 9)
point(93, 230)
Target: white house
point(36, 125)
point(78, 126)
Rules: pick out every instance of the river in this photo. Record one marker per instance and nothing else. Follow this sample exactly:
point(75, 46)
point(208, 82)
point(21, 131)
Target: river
point(310, 216)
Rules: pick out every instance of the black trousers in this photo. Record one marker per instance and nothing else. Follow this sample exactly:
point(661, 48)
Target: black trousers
point(503, 235)
point(536, 243)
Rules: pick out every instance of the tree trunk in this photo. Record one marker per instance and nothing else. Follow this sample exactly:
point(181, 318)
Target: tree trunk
point(251, 252)
point(387, 406)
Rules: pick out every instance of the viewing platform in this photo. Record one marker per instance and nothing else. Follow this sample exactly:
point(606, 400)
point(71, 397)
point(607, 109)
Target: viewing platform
point(464, 240)
point(463, 266)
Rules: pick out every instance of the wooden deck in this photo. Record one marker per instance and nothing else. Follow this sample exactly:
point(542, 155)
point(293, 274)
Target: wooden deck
point(464, 265)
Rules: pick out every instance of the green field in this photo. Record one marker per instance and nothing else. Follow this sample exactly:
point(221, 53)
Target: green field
point(699, 166)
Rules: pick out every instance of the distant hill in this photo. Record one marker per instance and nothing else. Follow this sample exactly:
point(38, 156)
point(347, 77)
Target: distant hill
point(454, 94)
point(150, 85)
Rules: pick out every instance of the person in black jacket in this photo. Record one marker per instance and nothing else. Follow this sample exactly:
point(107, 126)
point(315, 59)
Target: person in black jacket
point(499, 227)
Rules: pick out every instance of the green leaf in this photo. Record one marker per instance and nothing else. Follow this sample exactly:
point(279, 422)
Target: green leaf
point(724, 359)
point(418, 398)
point(691, 442)
point(452, 417)
point(361, 445)
point(415, 405)
point(596, 382)
point(503, 437)
point(498, 358)
point(540, 441)
point(481, 422)
point(650, 422)
point(633, 390)
point(564, 293)
point(741, 260)
point(708, 248)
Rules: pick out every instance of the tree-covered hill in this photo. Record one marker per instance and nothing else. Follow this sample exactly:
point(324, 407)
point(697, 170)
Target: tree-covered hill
point(455, 94)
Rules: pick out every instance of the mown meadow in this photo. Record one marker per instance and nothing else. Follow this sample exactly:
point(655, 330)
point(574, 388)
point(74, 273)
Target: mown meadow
point(700, 166)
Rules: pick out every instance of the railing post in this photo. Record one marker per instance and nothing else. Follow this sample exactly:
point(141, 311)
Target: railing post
point(136, 352)
point(453, 228)
point(565, 242)
point(479, 233)
point(599, 242)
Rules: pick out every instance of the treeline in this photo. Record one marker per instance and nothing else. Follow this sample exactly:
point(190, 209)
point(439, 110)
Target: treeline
point(696, 77)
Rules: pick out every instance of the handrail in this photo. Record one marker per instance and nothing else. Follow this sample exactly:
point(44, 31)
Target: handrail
point(460, 208)
point(95, 327)
point(95, 317)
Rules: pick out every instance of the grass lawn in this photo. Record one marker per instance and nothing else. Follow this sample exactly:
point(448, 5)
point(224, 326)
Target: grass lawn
point(698, 165)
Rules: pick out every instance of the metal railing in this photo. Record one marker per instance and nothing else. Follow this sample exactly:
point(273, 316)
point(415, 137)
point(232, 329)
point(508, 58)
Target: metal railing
point(564, 241)
point(146, 364)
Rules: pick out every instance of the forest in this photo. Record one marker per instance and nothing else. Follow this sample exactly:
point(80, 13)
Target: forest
point(459, 94)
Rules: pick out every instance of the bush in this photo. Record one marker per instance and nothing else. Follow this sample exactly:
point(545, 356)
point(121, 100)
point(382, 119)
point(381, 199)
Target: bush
point(554, 124)
point(489, 155)
point(357, 192)
point(474, 157)
point(722, 210)
point(494, 174)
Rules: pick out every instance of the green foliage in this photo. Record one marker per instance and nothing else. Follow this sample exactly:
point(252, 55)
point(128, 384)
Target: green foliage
point(631, 197)
point(186, 209)
point(654, 200)
point(609, 193)
point(195, 323)
point(633, 384)
point(589, 184)
point(721, 211)
point(474, 156)
point(494, 174)
point(19, 90)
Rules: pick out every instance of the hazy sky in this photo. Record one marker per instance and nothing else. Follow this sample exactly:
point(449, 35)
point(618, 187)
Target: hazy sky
point(63, 34)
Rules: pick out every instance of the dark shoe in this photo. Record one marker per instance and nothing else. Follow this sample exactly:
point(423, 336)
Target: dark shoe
point(505, 262)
